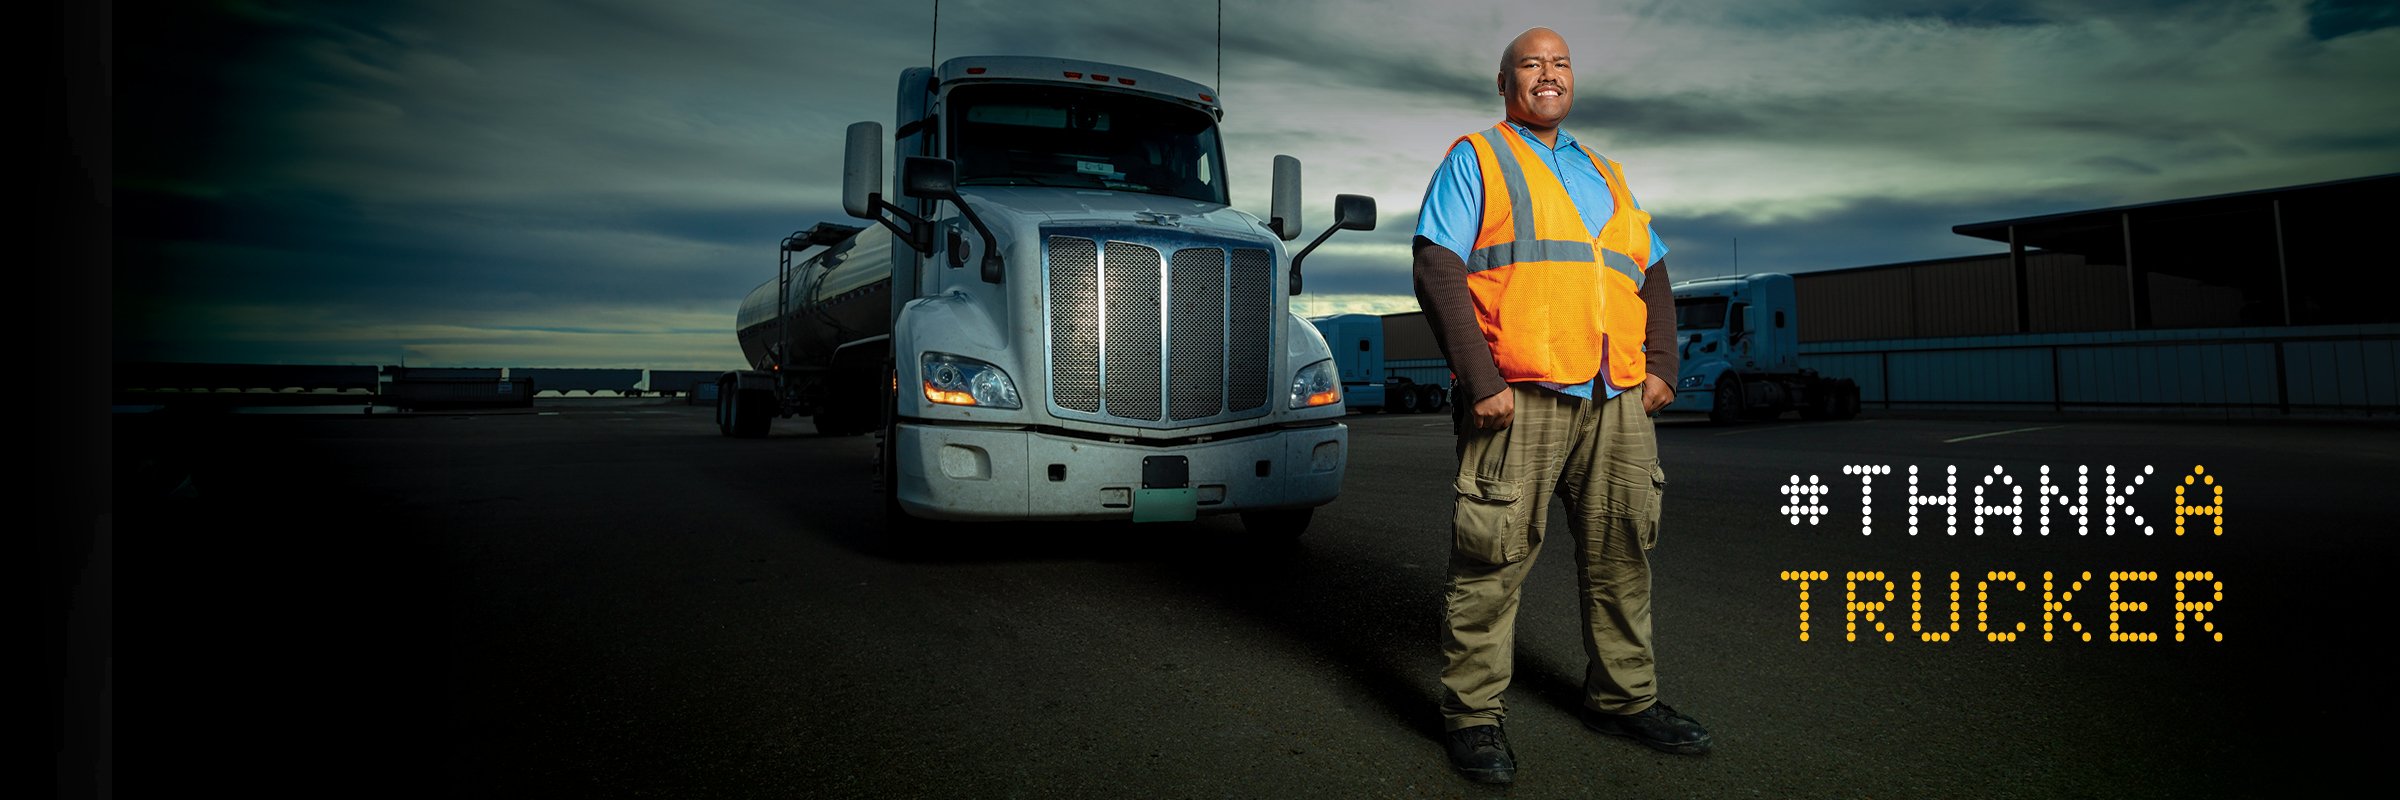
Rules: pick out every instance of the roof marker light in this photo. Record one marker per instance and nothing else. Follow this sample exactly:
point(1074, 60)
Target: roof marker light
point(1099, 77)
point(1207, 99)
point(974, 70)
point(1072, 74)
point(1126, 81)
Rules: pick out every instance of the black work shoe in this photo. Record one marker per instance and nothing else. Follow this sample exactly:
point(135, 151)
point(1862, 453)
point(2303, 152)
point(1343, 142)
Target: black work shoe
point(1659, 726)
point(1481, 753)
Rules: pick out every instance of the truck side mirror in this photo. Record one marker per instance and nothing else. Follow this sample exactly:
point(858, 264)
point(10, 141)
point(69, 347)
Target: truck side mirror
point(1355, 212)
point(1283, 212)
point(927, 178)
point(862, 169)
point(930, 178)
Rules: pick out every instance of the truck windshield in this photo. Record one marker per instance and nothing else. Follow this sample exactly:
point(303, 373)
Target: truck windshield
point(1699, 313)
point(1044, 136)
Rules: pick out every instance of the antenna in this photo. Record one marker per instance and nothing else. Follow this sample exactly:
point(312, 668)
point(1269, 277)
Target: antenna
point(1220, 87)
point(933, 59)
point(1737, 255)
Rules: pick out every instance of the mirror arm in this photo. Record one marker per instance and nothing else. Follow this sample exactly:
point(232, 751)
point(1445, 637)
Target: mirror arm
point(1312, 246)
point(917, 233)
point(992, 266)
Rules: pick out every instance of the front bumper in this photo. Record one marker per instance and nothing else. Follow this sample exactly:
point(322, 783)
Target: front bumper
point(955, 472)
point(1693, 400)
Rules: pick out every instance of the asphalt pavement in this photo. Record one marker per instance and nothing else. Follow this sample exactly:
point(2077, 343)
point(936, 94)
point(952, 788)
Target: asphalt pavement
point(603, 598)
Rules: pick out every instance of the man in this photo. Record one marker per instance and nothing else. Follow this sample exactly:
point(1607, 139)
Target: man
point(1548, 292)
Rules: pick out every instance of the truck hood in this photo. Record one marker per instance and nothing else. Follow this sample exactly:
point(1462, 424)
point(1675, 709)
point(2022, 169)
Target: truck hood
point(1026, 207)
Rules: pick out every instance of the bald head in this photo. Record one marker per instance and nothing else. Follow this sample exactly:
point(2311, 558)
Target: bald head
point(1538, 82)
point(1508, 55)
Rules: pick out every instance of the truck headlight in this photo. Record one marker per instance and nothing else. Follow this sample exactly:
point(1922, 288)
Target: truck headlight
point(1688, 382)
point(1316, 385)
point(962, 381)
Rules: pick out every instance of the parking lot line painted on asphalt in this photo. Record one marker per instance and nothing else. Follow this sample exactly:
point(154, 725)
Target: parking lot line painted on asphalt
point(2000, 433)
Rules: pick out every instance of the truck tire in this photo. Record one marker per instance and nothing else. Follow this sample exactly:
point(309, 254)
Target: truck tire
point(1846, 401)
point(1824, 400)
point(752, 412)
point(898, 535)
point(1435, 398)
point(724, 408)
point(1410, 403)
point(1279, 524)
point(1728, 405)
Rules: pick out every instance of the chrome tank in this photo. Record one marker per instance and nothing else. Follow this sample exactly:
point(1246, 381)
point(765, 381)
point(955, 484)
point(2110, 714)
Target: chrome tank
point(838, 295)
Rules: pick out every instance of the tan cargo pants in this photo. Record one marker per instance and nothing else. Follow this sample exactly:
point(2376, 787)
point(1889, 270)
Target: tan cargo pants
point(1601, 457)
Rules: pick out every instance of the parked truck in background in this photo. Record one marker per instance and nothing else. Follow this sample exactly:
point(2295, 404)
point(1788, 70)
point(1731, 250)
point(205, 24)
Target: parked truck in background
point(1367, 384)
point(1062, 317)
point(1740, 340)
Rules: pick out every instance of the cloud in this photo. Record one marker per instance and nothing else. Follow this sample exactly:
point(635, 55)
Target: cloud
point(500, 169)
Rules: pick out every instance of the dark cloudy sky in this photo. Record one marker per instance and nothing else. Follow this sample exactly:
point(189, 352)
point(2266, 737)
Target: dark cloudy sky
point(598, 182)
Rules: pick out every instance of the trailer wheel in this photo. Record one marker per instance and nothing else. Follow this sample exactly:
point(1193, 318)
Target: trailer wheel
point(1280, 525)
point(752, 412)
point(1728, 405)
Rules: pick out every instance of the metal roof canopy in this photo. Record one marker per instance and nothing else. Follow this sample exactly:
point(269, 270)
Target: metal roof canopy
point(2292, 244)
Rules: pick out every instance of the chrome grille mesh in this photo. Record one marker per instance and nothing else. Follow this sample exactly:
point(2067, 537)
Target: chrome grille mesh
point(1196, 334)
point(1074, 323)
point(1159, 336)
point(1250, 319)
point(1129, 378)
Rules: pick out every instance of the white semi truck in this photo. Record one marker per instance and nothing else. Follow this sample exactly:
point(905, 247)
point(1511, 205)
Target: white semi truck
point(1062, 318)
point(1741, 353)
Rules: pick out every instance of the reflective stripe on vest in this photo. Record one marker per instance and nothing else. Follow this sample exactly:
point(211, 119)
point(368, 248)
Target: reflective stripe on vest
point(1545, 303)
point(1527, 247)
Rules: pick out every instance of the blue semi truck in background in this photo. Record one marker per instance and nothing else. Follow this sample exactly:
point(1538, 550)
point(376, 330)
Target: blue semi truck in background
point(1371, 381)
point(1740, 340)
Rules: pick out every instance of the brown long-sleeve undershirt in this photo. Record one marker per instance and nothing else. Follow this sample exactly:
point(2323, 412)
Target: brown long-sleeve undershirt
point(1441, 280)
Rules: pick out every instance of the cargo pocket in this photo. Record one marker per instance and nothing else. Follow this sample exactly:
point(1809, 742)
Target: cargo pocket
point(1488, 523)
point(1655, 499)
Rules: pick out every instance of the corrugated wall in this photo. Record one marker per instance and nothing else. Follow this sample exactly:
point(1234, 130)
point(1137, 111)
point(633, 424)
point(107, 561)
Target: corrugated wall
point(2326, 368)
point(1956, 297)
point(1961, 297)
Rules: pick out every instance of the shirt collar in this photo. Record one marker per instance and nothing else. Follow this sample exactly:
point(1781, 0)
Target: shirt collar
point(1565, 140)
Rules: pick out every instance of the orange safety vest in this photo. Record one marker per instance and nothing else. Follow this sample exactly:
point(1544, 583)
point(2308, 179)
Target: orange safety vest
point(1555, 303)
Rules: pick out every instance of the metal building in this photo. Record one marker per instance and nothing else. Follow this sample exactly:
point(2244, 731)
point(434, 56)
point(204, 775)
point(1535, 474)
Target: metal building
point(2263, 301)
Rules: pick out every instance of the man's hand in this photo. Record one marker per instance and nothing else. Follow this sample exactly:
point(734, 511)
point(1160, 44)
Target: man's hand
point(1495, 412)
point(1655, 395)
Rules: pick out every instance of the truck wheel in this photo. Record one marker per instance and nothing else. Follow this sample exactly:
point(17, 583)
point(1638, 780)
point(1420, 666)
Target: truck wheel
point(724, 408)
point(897, 537)
point(1435, 398)
point(1410, 403)
point(1824, 401)
point(1846, 401)
point(753, 411)
point(1728, 405)
point(1281, 524)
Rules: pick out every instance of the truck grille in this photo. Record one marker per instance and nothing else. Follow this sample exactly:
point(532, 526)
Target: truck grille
point(1159, 332)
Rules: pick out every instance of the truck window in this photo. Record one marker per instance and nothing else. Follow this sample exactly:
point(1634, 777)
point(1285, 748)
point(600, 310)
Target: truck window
point(1046, 136)
point(1699, 313)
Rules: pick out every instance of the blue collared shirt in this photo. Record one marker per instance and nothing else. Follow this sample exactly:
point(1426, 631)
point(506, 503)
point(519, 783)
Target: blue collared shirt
point(1452, 213)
